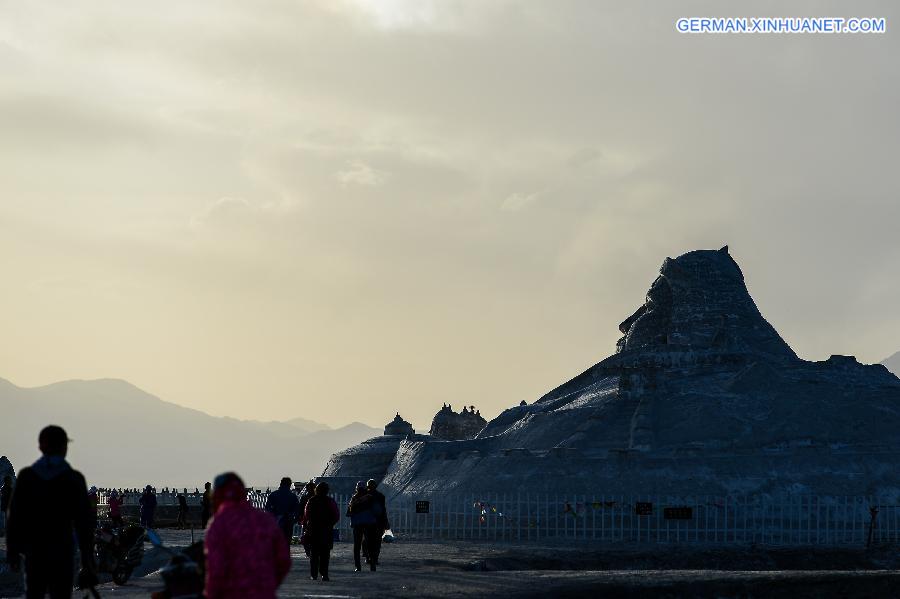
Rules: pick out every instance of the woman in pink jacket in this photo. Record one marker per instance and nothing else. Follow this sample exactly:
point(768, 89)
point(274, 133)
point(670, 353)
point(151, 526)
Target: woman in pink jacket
point(246, 554)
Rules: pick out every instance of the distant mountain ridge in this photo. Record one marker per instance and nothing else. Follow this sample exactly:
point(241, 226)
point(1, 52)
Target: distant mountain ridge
point(124, 436)
point(893, 363)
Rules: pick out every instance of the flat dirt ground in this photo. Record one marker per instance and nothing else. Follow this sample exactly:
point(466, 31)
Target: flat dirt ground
point(469, 569)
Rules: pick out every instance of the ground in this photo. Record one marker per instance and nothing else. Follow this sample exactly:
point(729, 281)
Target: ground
point(469, 569)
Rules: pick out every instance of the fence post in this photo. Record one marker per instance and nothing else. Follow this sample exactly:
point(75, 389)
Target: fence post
point(519, 517)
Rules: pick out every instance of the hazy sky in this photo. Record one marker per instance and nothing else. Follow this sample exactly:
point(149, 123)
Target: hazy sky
point(338, 210)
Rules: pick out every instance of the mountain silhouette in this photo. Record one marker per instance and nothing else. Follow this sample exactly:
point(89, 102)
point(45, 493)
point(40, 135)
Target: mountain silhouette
point(126, 437)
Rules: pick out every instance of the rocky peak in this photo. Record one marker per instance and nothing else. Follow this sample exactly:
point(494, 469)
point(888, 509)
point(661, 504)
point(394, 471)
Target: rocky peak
point(453, 426)
point(700, 301)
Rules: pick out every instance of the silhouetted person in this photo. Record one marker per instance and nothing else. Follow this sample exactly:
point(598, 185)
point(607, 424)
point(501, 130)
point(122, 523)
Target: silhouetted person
point(93, 506)
point(284, 505)
point(5, 494)
point(246, 555)
point(362, 517)
point(319, 518)
point(148, 507)
point(47, 511)
point(182, 511)
point(309, 489)
point(115, 508)
point(375, 531)
point(206, 504)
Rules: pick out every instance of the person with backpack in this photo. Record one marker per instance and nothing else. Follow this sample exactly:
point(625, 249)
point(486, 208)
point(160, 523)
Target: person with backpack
point(284, 505)
point(48, 511)
point(362, 516)
point(319, 518)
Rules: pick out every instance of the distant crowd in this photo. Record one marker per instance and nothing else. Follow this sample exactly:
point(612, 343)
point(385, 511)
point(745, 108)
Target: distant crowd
point(49, 511)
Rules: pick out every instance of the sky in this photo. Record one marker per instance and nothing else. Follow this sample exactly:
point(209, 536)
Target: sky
point(348, 208)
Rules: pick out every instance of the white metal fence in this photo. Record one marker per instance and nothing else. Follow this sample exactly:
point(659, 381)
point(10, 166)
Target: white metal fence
point(801, 520)
point(794, 520)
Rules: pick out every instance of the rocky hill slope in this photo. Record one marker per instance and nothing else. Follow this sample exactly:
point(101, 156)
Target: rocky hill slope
point(701, 396)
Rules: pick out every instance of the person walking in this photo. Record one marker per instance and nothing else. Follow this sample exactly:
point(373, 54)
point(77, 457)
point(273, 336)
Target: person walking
point(246, 555)
point(375, 531)
point(115, 508)
point(5, 494)
point(319, 518)
point(148, 507)
point(362, 516)
point(182, 511)
point(94, 506)
point(309, 489)
point(284, 505)
point(206, 505)
point(48, 510)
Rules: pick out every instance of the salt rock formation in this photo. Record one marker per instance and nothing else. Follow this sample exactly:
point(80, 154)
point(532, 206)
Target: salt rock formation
point(451, 426)
point(701, 396)
point(399, 426)
point(369, 459)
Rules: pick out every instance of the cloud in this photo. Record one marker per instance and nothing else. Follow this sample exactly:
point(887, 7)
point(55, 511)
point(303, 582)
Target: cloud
point(344, 173)
point(236, 213)
point(360, 173)
point(517, 201)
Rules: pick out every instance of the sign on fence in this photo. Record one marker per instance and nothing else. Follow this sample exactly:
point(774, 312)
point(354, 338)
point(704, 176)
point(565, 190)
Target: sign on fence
point(643, 508)
point(422, 507)
point(678, 513)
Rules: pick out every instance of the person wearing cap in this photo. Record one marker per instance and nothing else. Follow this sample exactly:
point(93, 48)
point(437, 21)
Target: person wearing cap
point(48, 505)
point(247, 556)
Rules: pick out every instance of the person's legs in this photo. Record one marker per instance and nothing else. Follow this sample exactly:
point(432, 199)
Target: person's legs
point(373, 542)
point(314, 561)
point(288, 531)
point(62, 578)
point(358, 535)
point(36, 579)
point(324, 558)
point(53, 574)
